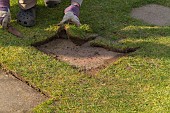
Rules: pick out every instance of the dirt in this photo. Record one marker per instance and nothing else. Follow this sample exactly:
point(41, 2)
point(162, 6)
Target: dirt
point(153, 14)
point(82, 57)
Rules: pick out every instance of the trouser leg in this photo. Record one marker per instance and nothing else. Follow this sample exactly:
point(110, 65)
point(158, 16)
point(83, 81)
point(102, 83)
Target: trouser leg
point(26, 4)
point(5, 3)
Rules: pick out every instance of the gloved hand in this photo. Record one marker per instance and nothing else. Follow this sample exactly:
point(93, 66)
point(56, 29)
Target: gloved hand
point(5, 17)
point(71, 15)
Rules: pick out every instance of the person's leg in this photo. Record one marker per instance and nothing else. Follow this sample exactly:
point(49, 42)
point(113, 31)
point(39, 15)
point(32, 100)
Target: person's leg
point(4, 3)
point(4, 13)
point(51, 3)
point(26, 4)
point(26, 16)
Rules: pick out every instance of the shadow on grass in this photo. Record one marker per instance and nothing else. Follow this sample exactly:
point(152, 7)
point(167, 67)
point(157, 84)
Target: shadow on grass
point(124, 25)
point(121, 23)
point(46, 19)
point(144, 32)
point(62, 81)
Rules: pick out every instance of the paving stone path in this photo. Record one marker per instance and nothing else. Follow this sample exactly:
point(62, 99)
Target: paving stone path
point(153, 14)
point(16, 96)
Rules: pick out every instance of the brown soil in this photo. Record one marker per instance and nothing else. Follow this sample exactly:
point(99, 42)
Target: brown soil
point(83, 57)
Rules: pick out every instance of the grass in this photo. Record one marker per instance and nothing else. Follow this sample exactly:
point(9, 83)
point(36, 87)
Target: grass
point(135, 83)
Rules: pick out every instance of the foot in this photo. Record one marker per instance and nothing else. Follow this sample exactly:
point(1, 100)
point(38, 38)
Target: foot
point(51, 3)
point(27, 17)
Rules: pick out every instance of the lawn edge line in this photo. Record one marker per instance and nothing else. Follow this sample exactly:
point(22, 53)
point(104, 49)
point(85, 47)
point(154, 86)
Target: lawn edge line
point(20, 78)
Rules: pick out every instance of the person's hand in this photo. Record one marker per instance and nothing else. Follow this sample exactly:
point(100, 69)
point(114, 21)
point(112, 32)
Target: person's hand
point(5, 18)
point(69, 17)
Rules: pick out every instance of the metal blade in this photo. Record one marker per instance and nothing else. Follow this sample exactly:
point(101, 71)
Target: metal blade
point(14, 31)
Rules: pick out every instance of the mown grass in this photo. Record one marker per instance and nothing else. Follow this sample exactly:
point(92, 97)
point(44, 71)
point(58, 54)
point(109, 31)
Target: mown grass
point(135, 83)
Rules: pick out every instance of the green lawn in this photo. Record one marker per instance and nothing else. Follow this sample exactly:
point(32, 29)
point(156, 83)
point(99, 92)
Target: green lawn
point(139, 82)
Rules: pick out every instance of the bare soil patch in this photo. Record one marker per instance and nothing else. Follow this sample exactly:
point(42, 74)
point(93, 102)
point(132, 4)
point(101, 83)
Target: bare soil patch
point(77, 51)
point(83, 57)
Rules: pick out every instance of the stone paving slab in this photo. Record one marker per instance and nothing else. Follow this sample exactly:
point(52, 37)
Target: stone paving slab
point(16, 96)
point(153, 14)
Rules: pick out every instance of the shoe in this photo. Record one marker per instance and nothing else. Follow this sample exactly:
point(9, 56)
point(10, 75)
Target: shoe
point(27, 17)
point(52, 3)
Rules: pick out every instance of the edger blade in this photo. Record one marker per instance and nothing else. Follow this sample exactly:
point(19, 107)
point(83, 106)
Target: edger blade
point(14, 31)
